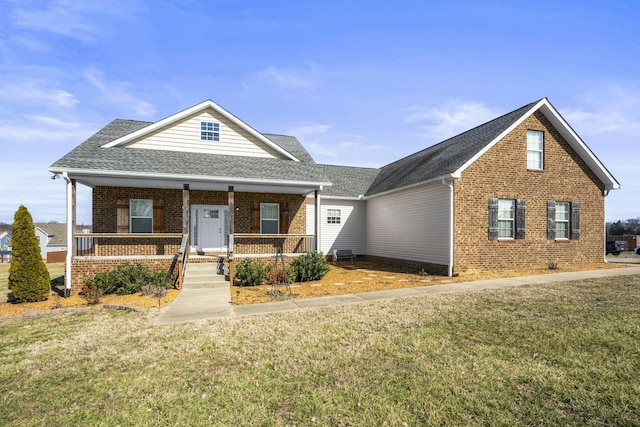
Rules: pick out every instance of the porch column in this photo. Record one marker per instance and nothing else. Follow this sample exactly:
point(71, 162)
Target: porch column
point(71, 228)
point(232, 220)
point(186, 208)
point(317, 219)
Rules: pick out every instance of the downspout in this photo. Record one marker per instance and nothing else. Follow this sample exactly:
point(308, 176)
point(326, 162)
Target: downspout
point(318, 217)
point(450, 185)
point(605, 193)
point(67, 271)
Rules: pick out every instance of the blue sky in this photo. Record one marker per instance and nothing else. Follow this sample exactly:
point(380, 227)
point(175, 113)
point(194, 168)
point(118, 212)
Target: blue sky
point(360, 83)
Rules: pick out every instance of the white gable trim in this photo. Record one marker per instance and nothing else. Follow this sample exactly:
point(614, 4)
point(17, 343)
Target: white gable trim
point(193, 110)
point(567, 133)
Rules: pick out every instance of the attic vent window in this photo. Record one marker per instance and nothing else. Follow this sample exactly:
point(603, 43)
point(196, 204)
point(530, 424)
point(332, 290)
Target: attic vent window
point(209, 131)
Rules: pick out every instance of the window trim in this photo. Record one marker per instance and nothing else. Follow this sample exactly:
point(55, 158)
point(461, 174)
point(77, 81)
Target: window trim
point(132, 217)
point(332, 217)
point(540, 151)
point(563, 221)
point(276, 219)
point(209, 131)
point(511, 220)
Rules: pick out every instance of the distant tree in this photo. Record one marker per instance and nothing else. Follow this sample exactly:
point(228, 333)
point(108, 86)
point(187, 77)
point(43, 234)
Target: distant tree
point(633, 225)
point(29, 278)
point(617, 229)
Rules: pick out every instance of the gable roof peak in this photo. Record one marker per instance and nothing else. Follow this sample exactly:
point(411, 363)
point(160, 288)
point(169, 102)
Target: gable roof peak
point(167, 121)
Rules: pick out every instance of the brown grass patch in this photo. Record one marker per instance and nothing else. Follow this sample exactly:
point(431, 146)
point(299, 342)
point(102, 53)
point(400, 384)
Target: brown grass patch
point(369, 277)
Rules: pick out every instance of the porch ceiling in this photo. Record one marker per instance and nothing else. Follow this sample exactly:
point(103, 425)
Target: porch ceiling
point(196, 183)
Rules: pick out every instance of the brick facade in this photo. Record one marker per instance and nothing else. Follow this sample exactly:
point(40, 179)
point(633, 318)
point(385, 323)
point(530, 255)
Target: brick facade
point(105, 200)
point(502, 173)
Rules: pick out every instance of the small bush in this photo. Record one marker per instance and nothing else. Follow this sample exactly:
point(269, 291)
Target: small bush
point(291, 275)
point(308, 267)
point(91, 294)
point(250, 272)
point(128, 279)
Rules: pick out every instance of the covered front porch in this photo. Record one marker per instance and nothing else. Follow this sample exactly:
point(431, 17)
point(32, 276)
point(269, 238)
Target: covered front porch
point(159, 223)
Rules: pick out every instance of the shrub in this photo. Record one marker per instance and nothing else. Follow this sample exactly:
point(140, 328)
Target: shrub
point(91, 294)
point(291, 275)
point(128, 279)
point(29, 278)
point(250, 272)
point(308, 267)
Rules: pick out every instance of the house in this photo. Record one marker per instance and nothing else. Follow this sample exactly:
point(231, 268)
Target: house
point(52, 237)
point(5, 241)
point(522, 190)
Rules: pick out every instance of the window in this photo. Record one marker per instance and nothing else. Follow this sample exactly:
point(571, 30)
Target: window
point(141, 212)
point(209, 131)
point(535, 147)
point(563, 220)
point(269, 215)
point(333, 216)
point(506, 216)
point(507, 219)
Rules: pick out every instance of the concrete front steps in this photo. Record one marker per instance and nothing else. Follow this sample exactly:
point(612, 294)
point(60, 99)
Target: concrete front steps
point(205, 293)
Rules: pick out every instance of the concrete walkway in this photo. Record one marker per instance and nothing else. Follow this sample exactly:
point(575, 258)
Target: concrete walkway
point(196, 304)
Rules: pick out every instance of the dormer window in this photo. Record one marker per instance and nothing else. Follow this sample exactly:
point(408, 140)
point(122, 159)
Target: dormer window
point(209, 131)
point(535, 149)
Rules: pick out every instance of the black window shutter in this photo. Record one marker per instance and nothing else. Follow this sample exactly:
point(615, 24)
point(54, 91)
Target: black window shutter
point(521, 214)
point(575, 221)
point(551, 220)
point(493, 219)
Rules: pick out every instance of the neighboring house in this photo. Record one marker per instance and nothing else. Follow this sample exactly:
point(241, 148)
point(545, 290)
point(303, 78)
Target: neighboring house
point(5, 241)
point(52, 237)
point(522, 190)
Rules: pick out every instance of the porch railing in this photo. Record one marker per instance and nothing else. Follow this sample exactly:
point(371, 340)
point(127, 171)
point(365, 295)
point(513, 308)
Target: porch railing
point(125, 244)
point(179, 263)
point(268, 244)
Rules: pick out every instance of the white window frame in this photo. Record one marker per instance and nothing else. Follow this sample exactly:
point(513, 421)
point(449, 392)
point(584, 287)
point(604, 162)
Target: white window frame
point(209, 131)
point(334, 216)
point(566, 220)
point(133, 217)
point(276, 219)
point(506, 219)
point(535, 150)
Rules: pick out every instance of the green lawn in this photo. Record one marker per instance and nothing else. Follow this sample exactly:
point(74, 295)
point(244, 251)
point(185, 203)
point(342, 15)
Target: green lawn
point(56, 271)
point(558, 354)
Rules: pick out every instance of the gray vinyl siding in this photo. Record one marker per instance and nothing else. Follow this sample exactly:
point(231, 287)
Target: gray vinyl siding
point(411, 224)
point(184, 136)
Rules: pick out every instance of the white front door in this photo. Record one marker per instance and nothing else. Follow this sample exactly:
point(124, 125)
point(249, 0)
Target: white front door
point(209, 227)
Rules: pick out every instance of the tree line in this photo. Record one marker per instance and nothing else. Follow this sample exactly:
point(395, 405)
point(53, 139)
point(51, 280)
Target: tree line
point(620, 228)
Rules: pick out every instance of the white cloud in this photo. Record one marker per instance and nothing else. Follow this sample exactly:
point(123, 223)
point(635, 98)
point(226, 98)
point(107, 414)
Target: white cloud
point(35, 91)
point(120, 94)
point(443, 122)
point(306, 77)
point(80, 20)
point(607, 108)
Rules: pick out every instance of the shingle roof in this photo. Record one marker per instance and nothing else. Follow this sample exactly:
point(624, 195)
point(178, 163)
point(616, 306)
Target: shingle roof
point(90, 155)
point(348, 181)
point(57, 232)
point(443, 158)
